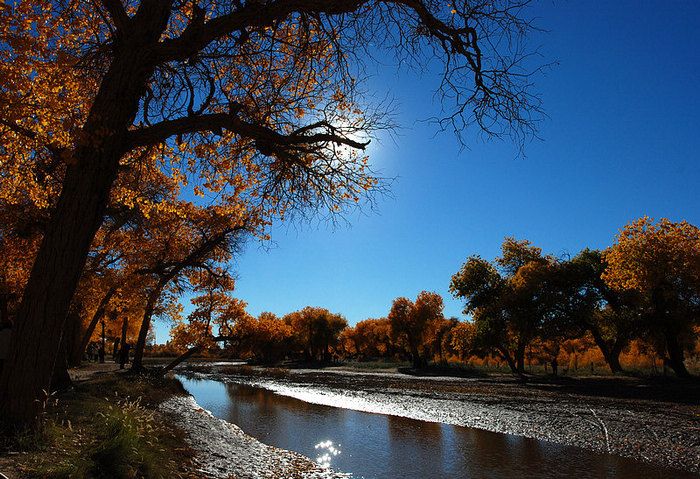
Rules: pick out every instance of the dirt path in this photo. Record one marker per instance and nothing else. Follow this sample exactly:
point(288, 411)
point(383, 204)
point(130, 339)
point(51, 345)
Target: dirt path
point(90, 370)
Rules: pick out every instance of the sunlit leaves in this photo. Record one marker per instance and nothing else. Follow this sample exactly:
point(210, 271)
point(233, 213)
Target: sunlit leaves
point(661, 261)
point(647, 255)
point(412, 320)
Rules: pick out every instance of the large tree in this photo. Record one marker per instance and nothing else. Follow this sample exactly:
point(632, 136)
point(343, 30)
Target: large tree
point(252, 100)
point(586, 303)
point(661, 261)
point(316, 330)
point(412, 321)
point(510, 300)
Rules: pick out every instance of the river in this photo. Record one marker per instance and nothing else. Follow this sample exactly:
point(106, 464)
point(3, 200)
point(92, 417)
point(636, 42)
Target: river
point(369, 445)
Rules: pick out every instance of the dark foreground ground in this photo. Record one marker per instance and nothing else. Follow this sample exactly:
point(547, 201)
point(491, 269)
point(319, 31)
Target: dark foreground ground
point(653, 420)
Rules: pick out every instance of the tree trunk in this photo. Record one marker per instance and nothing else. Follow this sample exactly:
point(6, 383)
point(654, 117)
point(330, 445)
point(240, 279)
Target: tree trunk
point(60, 380)
point(520, 358)
point(675, 351)
point(71, 334)
point(415, 357)
point(614, 359)
point(79, 213)
point(505, 355)
point(675, 354)
point(183, 357)
point(42, 314)
point(92, 169)
point(4, 313)
point(122, 341)
point(611, 354)
point(154, 295)
point(99, 314)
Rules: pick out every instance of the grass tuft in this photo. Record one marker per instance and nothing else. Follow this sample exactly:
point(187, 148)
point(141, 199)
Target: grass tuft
point(87, 435)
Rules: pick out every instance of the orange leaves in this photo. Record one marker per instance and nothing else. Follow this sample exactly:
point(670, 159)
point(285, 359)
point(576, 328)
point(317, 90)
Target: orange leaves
point(647, 254)
point(264, 337)
point(411, 320)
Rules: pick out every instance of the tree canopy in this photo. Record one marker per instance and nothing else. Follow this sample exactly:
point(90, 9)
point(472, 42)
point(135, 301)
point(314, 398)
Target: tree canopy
point(254, 105)
point(661, 261)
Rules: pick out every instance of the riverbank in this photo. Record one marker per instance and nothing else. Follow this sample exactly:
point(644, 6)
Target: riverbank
point(224, 450)
point(113, 423)
point(655, 421)
point(105, 425)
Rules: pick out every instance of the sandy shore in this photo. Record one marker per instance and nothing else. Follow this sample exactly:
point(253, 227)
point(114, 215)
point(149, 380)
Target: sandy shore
point(224, 451)
point(657, 423)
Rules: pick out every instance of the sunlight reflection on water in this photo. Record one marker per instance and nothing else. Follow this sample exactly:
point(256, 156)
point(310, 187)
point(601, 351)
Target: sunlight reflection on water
point(327, 451)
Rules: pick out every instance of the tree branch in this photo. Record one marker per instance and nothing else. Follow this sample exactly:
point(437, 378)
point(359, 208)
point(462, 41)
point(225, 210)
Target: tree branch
point(198, 35)
point(268, 140)
point(118, 14)
point(32, 135)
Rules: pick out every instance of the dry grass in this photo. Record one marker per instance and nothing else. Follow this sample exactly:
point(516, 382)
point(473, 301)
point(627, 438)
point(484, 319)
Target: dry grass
point(103, 428)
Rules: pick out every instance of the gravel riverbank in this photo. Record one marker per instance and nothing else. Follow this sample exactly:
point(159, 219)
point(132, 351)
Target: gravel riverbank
point(225, 451)
point(653, 422)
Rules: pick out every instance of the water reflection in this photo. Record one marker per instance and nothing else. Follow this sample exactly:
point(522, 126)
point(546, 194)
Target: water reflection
point(380, 446)
point(327, 452)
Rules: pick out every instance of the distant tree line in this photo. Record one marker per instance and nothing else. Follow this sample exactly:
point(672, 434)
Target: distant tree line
point(645, 287)
point(639, 297)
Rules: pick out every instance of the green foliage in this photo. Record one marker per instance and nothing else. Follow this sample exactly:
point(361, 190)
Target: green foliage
point(508, 298)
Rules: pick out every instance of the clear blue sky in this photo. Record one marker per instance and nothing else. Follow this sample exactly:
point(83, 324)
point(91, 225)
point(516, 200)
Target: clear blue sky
point(622, 141)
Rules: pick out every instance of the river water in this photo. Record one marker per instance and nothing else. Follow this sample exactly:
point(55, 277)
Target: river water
point(369, 445)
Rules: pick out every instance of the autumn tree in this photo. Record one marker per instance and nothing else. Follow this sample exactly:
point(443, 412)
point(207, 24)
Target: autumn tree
point(439, 338)
point(256, 99)
point(317, 330)
point(214, 319)
point(266, 338)
point(186, 242)
point(411, 321)
point(508, 298)
point(661, 261)
point(589, 305)
point(370, 338)
point(462, 339)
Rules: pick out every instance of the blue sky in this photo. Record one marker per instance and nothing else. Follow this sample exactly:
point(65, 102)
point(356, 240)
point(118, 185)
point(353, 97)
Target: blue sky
point(622, 140)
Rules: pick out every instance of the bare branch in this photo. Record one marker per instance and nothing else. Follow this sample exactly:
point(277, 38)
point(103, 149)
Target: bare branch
point(198, 35)
point(267, 139)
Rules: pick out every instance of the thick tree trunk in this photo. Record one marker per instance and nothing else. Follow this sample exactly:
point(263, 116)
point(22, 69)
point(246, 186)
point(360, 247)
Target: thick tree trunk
point(610, 353)
point(675, 350)
point(60, 380)
point(415, 357)
point(71, 335)
point(42, 314)
point(79, 213)
point(4, 312)
point(614, 359)
point(675, 354)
